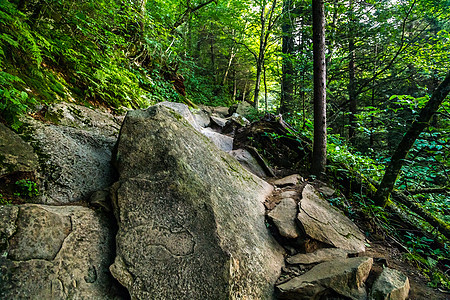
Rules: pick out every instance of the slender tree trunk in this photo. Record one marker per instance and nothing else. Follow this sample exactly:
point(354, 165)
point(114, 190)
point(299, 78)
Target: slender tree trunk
point(320, 119)
point(351, 73)
point(287, 81)
point(393, 169)
point(266, 96)
point(260, 58)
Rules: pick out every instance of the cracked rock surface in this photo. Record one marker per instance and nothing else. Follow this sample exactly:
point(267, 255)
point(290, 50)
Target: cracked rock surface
point(51, 252)
point(191, 218)
point(325, 223)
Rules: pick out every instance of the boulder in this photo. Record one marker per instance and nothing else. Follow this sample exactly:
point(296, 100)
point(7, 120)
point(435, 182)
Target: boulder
point(248, 161)
point(183, 111)
point(318, 256)
point(202, 117)
point(15, 154)
point(74, 162)
point(390, 285)
point(218, 122)
point(325, 223)
point(222, 141)
point(288, 181)
point(244, 108)
point(288, 194)
point(55, 253)
point(283, 216)
point(220, 111)
point(82, 117)
point(345, 277)
point(191, 219)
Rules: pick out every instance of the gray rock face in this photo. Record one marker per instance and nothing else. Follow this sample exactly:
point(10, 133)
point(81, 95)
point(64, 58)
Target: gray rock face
point(283, 216)
point(222, 141)
point(55, 253)
point(74, 155)
point(191, 219)
point(327, 224)
point(345, 277)
point(318, 256)
point(248, 161)
point(15, 154)
point(202, 117)
point(221, 122)
point(391, 285)
point(74, 162)
point(182, 110)
point(244, 108)
point(289, 180)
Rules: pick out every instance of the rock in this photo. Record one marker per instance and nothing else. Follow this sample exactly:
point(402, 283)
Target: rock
point(82, 117)
point(283, 216)
point(327, 191)
point(74, 162)
point(15, 154)
point(391, 285)
point(244, 108)
point(288, 181)
point(219, 122)
point(325, 223)
point(320, 255)
point(345, 277)
point(183, 110)
point(191, 219)
point(55, 253)
point(248, 161)
point(222, 141)
point(202, 117)
point(220, 111)
point(242, 121)
point(289, 194)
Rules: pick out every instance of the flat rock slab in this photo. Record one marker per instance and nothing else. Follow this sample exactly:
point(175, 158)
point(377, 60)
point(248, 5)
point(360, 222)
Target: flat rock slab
point(219, 121)
point(318, 256)
point(283, 216)
point(289, 194)
point(191, 218)
point(288, 181)
point(246, 159)
point(390, 285)
point(15, 154)
point(55, 253)
point(345, 277)
point(325, 223)
point(222, 141)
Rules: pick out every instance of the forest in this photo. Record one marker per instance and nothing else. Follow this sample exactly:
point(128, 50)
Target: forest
point(387, 79)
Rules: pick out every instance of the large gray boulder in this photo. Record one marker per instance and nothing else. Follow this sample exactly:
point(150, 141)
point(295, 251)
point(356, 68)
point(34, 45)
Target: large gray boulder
point(75, 148)
point(346, 277)
point(390, 285)
point(283, 216)
point(325, 223)
point(191, 219)
point(15, 154)
point(50, 252)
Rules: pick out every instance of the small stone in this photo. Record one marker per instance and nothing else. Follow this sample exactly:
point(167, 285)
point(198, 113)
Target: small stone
point(283, 216)
point(289, 180)
point(321, 255)
point(391, 285)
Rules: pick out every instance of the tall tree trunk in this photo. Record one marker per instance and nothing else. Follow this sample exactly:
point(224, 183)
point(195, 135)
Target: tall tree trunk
point(287, 81)
point(393, 169)
point(266, 96)
point(260, 58)
point(320, 112)
point(351, 73)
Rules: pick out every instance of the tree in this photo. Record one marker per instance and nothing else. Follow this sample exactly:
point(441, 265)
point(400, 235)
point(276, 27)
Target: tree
point(287, 80)
point(320, 112)
point(397, 159)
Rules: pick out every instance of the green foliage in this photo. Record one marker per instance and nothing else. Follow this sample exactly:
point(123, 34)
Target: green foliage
point(4, 201)
point(26, 189)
